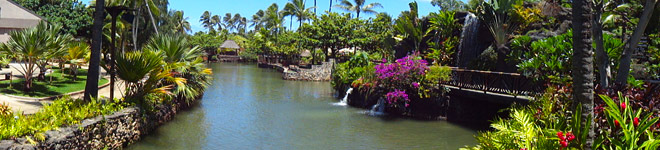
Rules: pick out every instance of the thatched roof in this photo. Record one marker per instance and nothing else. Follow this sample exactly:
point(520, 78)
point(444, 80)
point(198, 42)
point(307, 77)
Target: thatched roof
point(230, 44)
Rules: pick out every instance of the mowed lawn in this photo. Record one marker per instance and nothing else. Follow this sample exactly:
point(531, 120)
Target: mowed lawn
point(61, 84)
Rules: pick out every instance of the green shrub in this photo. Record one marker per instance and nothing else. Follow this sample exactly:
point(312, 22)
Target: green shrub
point(62, 112)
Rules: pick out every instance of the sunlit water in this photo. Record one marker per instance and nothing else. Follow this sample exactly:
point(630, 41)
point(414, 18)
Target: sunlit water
point(252, 108)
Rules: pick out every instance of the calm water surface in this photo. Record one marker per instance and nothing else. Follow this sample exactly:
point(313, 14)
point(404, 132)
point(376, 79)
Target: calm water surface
point(251, 108)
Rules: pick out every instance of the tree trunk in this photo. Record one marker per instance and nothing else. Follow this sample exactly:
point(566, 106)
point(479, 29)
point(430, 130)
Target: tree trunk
point(602, 59)
point(151, 15)
point(91, 86)
point(502, 65)
point(582, 70)
point(135, 25)
point(624, 63)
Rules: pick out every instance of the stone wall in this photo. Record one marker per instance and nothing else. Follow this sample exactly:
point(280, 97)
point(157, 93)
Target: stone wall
point(321, 72)
point(113, 131)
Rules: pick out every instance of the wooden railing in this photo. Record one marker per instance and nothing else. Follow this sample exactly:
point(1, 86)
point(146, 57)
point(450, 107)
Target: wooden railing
point(494, 82)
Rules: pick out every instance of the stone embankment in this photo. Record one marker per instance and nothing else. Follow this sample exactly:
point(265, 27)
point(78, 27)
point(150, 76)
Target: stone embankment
point(113, 131)
point(321, 72)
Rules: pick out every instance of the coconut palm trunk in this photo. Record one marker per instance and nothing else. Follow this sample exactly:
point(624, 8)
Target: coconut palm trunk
point(91, 86)
point(582, 70)
point(624, 64)
point(151, 15)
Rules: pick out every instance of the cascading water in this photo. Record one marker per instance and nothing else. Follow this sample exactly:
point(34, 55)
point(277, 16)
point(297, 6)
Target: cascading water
point(344, 101)
point(467, 49)
point(378, 109)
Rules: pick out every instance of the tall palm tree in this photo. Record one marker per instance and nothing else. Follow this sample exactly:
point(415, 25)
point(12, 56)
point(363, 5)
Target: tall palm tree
point(91, 86)
point(257, 19)
point(236, 21)
point(273, 18)
point(181, 25)
point(215, 21)
point(206, 20)
point(583, 75)
point(358, 7)
point(228, 22)
point(297, 8)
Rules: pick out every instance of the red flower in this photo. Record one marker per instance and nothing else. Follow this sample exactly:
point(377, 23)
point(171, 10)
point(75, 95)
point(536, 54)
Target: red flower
point(560, 135)
point(563, 143)
point(570, 136)
point(523, 149)
point(623, 105)
point(616, 123)
point(636, 121)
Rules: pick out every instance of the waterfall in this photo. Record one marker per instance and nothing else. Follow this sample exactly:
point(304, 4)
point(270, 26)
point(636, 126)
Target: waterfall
point(344, 101)
point(467, 49)
point(378, 109)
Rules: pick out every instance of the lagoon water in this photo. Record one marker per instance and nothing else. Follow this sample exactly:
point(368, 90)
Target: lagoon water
point(247, 107)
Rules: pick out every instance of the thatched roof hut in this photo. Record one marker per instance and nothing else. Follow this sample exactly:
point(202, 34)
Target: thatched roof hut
point(230, 44)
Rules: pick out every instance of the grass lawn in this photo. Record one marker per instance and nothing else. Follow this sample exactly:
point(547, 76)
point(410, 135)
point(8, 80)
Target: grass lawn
point(61, 84)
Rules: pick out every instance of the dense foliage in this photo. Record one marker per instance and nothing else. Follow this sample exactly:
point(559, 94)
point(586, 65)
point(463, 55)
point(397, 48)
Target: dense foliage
point(62, 112)
point(73, 15)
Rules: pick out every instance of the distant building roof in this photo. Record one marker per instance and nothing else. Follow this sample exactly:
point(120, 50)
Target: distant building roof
point(230, 44)
point(14, 16)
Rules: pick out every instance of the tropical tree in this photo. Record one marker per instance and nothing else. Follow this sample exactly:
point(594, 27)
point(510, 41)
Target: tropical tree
point(583, 77)
point(409, 27)
point(144, 74)
point(257, 20)
point(181, 25)
point(358, 6)
point(91, 86)
point(76, 56)
point(72, 15)
point(273, 19)
point(624, 64)
point(206, 21)
point(215, 21)
point(30, 46)
point(449, 5)
point(498, 16)
point(184, 62)
point(297, 8)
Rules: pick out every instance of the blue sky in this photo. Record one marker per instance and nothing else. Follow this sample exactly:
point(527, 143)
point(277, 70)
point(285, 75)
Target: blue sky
point(193, 9)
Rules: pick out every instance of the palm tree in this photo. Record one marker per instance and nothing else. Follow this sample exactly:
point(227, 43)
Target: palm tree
point(206, 20)
point(228, 21)
point(297, 8)
point(236, 21)
point(30, 46)
point(358, 7)
point(91, 86)
point(583, 77)
point(257, 19)
point(133, 67)
point(215, 20)
point(181, 25)
point(273, 19)
point(76, 56)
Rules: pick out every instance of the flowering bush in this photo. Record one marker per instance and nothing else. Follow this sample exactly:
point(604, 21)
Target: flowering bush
point(403, 75)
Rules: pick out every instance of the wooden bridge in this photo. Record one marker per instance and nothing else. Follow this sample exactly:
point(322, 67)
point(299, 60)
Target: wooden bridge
point(486, 85)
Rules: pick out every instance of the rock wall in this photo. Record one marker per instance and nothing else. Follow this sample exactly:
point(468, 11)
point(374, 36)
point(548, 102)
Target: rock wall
point(321, 72)
point(113, 131)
